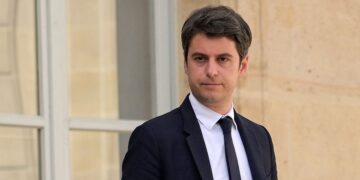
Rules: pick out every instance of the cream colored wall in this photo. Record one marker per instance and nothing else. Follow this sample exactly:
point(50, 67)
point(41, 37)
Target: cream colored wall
point(303, 83)
point(312, 87)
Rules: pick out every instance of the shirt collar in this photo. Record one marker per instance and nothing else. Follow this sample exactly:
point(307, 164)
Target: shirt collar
point(206, 116)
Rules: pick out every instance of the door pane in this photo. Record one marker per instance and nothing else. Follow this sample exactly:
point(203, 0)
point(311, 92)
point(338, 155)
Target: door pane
point(110, 59)
point(18, 72)
point(92, 54)
point(96, 155)
point(19, 153)
point(135, 59)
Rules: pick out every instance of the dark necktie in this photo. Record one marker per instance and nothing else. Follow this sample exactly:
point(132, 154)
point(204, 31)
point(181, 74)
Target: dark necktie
point(231, 160)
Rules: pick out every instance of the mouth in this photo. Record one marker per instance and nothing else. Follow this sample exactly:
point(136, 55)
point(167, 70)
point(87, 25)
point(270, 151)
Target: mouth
point(211, 84)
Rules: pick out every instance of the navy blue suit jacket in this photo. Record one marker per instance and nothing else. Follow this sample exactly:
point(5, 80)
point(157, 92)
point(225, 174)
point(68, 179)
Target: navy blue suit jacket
point(171, 147)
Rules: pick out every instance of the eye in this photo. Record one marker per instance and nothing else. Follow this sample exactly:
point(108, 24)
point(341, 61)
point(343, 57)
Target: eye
point(199, 58)
point(223, 59)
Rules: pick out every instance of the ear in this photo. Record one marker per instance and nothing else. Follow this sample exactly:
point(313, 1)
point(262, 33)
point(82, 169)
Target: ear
point(244, 66)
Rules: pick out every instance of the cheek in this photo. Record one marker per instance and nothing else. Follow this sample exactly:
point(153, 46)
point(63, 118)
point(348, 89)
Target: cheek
point(193, 75)
point(192, 72)
point(186, 68)
point(232, 77)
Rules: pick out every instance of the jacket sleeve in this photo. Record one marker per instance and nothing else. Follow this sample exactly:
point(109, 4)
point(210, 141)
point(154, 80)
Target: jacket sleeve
point(142, 159)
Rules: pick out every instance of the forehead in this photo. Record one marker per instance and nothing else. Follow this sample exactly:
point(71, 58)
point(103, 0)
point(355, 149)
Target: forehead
point(202, 43)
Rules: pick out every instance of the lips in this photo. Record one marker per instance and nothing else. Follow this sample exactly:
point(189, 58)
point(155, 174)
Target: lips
point(211, 84)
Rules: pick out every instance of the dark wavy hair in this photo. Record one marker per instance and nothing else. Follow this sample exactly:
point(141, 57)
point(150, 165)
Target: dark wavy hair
point(217, 21)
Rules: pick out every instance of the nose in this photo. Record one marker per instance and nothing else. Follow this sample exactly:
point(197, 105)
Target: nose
point(211, 68)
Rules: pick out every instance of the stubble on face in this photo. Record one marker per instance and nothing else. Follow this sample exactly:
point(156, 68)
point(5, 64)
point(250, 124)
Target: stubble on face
point(213, 69)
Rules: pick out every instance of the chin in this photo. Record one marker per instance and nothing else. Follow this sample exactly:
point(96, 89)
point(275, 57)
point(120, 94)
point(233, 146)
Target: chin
point(209, 99)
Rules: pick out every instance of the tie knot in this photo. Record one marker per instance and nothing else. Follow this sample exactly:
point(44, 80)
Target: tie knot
point(225, 124)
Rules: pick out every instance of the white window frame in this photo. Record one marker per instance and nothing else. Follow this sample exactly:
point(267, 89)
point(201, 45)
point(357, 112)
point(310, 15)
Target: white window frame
point(53, 122)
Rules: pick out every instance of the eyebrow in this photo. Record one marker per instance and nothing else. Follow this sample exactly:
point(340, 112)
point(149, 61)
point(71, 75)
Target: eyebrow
point(198, 54)
point(202, 54)
point(225, 54)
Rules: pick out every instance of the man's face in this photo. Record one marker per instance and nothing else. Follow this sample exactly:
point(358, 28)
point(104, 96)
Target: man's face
point(213, 68)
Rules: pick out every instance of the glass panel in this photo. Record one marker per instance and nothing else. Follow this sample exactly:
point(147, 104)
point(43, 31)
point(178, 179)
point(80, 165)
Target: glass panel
point(19, 153)
point(96, 155)
point(92, 54)
point(135, 59)
point(18, 72)
point(110, 64)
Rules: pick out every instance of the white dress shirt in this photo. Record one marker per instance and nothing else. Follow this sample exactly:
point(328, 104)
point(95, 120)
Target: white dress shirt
point(214, 141)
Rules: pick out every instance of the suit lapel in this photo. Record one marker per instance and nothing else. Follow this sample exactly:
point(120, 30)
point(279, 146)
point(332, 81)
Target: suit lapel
point(195, 140)
point(198, 150)
point(252, 148)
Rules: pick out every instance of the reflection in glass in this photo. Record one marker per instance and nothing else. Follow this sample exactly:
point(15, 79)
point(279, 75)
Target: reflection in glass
point(95, 155)
point(110, 59)
point(135, 64)
point(18, 72)
point(92, 58)
point(19, 153)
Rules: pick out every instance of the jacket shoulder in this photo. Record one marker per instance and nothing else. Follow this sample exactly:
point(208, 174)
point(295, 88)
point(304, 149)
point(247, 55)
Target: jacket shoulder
point(167, 120)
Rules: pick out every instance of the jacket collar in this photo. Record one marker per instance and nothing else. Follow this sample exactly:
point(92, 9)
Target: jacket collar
point(206, 116)
point(252, 147)
point(195, 140)
point(197, 145)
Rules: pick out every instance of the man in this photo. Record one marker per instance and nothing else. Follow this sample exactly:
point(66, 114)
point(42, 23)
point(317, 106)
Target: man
point(205, 138)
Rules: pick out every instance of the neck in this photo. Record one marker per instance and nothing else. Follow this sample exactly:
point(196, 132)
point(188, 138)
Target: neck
point(219, 108)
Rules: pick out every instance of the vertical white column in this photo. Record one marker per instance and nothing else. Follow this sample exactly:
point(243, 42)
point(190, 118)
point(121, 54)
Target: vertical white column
point(58, 90)
point(43, 69)
point(164, 56)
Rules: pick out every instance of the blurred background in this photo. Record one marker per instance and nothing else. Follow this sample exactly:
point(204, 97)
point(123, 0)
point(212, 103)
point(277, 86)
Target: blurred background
point(77, 76)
